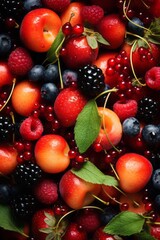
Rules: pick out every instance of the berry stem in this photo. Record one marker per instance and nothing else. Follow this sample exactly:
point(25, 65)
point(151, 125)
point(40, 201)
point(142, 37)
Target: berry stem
point(113, 199)
point(115, 173)
point(107, 91)
point(13, 85)
point(13, 121)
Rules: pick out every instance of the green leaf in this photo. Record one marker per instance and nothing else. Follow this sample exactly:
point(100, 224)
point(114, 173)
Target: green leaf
point(46, 230)
point(53, 52)
point(90, 173)
point(7, 222)
point(101, 39)
point(125, 224)
point(92, 42)
point(144, 236)
point(87, 126)
point(50, 236)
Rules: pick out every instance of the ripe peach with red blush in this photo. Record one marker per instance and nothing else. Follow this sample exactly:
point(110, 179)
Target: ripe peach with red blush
point(134, 171)
point(39, 29)
point(8, 159)
point(72, 13)
point(76, 192)
point(111, 128)
point(51, 153)
point(6, 77)
point(25, 95)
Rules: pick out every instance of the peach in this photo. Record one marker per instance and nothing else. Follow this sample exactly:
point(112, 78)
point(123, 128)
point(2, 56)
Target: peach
point(76, 192)
point(75, 9)
point(134, 171)
point(8, 159)
point(25, 95)
point(39, 29)
point(6, 77)
point(111, 128)
point(51, 153)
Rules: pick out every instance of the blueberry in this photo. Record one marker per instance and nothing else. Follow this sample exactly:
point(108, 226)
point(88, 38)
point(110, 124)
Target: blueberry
point(36, 73)
point(108, 214)
point(5, 193)
point(156, 179)
point(151, 135)
point(49, 91)
point(5, 45)
point(51, 73)
point(32, 4)
point(135, 26)
point(69, 76)
point(131, 126)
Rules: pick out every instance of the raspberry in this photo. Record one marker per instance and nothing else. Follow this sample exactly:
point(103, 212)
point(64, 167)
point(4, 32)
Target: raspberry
point(89, 220)
point(31, 129)
point(92, 14)
point(56, 5)
point(152, 78)
point(125, 109)
point(46, 191)
point(20, 61)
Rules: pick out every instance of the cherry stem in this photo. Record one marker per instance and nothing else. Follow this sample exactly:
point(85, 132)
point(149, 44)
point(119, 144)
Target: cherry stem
point(125, 14)
point(13, 121)
point(100, 200)
point(103, 122)
point(136, 203)
point(115, 173)
point(113, 199)
point(60, 73)
point(131, 62)
point(13, 85)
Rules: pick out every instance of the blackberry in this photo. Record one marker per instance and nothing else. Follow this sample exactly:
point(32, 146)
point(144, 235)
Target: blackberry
point(90, 80)
point(147, 109)
point(12, 8)
point(27, 174)
point(23, 205)
point(6, 129)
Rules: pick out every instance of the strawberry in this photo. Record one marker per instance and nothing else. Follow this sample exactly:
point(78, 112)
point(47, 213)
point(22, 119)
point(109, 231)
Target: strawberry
point(20, 61)
point(113, 30)
point(89, 219)
point(74, 232)
point(68, 105)
point(56, 5)
point(39, 222)
point(77, 52)
point(46, 191)
point(125, 109)
point(92, 14)
point(31, 128)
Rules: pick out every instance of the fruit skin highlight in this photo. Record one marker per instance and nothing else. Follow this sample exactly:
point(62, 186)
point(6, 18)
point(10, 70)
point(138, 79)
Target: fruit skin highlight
point(51, 153)
point(134, 171)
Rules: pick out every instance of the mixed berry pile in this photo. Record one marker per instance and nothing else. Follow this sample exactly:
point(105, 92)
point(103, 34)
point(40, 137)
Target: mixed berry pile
point(80, 120)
